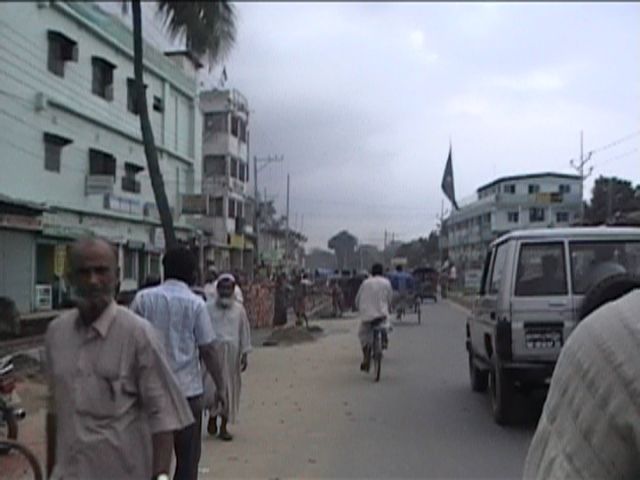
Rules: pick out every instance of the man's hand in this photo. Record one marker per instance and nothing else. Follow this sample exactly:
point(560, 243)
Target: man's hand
point(243, 362)
point(221, 400)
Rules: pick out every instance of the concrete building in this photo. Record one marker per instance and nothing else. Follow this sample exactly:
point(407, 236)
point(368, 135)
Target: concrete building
point(225, 180)
point(70, 145)
point(509, 203)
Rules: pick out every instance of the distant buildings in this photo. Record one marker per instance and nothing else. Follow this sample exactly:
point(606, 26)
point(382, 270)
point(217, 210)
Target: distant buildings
point(509, 203)
point(72, 159)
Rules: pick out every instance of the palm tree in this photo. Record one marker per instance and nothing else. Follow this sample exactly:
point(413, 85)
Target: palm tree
point(209, 31)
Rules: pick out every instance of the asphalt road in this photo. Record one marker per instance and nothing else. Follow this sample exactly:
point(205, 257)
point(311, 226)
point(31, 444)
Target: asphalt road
point(308, 412)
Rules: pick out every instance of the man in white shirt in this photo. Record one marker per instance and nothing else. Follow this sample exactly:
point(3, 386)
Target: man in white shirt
point(211, 287)
point(373, 300)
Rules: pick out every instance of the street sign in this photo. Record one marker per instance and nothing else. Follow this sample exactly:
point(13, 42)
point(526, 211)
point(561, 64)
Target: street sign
point(59, 260)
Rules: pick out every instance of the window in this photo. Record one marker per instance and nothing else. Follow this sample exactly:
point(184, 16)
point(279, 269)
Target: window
point(534, 188)
point(101, 163)
point(498, 267)
point(129, 271)
point(235, 126)
point(132, 103)
point(509, 188)
point(513, 217)
point(592, 261)
point(564, 188)
point(234, 167)
point(154, 265)
point(232, 209)
point(485, 273)
point(53, 145)
point(536, 214)
point(242, 173)
point(562, 217)
point(61, 49)
point(102, 78)
point(243, 132)
point(239, 210)
point(216, 122)
point(215, 165)
point(218, 207)
point(158, 104)
point(129, 182)
point(541, 270)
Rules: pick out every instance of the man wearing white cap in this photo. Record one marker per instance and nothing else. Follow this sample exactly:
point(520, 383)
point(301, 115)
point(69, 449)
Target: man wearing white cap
point(211, 286)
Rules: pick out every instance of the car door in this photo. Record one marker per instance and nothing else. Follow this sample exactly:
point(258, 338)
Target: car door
point(541, 307)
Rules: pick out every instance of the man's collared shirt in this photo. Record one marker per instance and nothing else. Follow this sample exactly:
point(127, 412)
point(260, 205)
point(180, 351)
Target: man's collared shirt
point(183, 322)
point(374, 297)
point(111, 388)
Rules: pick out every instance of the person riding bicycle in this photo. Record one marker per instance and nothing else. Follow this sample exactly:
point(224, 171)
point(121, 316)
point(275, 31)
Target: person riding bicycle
point(404, 288)
point(372, 301)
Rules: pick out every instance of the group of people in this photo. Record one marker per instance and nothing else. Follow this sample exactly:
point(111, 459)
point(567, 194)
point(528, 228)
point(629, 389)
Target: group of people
point(128, 386)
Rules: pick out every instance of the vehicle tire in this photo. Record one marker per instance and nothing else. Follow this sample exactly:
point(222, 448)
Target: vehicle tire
point(8, 428)
point(479, 378)
point(502, 396)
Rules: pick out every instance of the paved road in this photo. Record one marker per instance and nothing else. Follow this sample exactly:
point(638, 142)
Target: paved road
point(308, 412)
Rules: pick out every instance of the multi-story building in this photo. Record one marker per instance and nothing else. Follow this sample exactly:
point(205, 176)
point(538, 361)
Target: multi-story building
point(225, 180)
point(509, 203)
point(72, 157)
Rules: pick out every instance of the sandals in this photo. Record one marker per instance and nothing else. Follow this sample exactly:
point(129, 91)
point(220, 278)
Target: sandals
point(225, 436)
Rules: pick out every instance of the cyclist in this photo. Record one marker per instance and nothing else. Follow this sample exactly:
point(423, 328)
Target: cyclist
point(404, 287)
point(372, 301)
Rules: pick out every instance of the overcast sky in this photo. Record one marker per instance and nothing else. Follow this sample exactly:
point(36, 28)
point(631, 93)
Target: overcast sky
point(363, 98)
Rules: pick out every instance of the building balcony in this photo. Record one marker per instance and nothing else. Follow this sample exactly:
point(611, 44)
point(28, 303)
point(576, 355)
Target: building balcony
point(217, 184)
point(542, 198)
point(99, 184)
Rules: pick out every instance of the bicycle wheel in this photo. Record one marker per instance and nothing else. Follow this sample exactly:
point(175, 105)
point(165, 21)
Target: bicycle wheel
point(377, 355)
point(20, 463)
point(419, 315)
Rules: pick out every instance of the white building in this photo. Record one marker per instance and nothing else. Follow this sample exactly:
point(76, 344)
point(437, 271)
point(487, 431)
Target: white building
point(225, 180)
point(510, 203)
point(70, 142)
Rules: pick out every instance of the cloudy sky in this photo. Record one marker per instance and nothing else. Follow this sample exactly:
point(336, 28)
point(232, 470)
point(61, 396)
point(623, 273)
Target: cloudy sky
point(363, 98)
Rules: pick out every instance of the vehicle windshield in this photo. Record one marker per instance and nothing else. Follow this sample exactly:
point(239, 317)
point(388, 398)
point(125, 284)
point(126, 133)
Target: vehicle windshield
point(593, 261)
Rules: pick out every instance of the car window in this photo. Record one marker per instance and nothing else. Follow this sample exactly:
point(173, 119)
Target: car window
point(595, 260)
point(485, 273)
point(541, 270)
point(498, 268)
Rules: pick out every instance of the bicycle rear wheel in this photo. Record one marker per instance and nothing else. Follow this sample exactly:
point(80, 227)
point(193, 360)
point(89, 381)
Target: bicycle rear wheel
point(377, 355)
point(419, 312)
point(20, 463)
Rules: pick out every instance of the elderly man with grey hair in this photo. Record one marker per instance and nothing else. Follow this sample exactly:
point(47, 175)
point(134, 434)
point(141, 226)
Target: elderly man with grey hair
point(114, 402)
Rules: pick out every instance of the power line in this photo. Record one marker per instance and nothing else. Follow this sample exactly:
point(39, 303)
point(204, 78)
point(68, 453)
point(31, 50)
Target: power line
point(615, 142)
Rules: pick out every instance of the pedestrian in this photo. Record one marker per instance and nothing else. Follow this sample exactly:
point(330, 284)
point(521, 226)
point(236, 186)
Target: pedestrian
point(590, 423)
point(280, 301)
point(231, 325)
point(211, 287)
point(113, 401)
point(300, 300)
point(181, 318)
point(337, 299)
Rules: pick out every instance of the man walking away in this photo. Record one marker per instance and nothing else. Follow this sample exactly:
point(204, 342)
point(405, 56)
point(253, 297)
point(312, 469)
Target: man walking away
point(181, 318)
point(373, 300)
point(113, 400)
point(231, 325)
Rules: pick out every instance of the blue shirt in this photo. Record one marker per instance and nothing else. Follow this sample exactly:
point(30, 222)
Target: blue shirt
point(402, 281)
point(181, 318)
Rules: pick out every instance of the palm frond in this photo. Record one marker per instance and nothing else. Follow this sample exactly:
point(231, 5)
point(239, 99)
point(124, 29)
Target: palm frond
point(208, 27)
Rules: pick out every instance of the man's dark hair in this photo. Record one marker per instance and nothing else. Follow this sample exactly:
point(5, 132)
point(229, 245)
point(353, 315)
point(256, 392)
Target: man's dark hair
point(398, 268)
point(180, 264)
point(377, 269)
point(607, 290)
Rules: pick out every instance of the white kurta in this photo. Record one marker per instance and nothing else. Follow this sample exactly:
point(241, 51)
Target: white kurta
point(590, 425)
point(231, 326)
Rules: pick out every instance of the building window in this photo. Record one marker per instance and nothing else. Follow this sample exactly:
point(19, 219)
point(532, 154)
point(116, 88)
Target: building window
point(132, 103)
point(129, 182)
point(565, 188)
point(534, 188)
point(242, 173)
point(509, 188)
point(101, 163)
point(215, 165)
point(158, 104)
point(53, 145)
point(232, 209)
point(239, 210)
point(61, 49)
point(216, 206)
point(234, 167)
point(562, 217)
point(216, 122)
point(513, 217)
point(129, 271)
point(243, 132)
point(536, 214)
point(235, 126)
point(102, 78)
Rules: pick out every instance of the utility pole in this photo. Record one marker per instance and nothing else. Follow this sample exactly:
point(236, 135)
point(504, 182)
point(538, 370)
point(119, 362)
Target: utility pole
point(256, 220)
point(579, 167)
point(286, 241)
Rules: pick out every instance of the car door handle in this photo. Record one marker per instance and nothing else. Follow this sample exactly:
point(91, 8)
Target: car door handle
point(557, 304)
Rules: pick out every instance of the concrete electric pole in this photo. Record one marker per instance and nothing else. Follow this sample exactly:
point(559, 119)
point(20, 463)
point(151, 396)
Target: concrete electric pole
point(580, 168)
point(256, 221)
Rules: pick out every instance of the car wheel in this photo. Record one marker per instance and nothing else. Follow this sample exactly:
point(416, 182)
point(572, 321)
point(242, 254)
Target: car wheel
point(479, 378)
point(502, 396)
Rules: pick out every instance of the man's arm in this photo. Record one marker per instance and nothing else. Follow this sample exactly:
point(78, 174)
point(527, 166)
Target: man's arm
point(211, 358)
point(162, 452)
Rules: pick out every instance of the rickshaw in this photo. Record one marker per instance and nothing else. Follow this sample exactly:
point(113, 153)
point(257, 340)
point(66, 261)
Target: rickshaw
point(427, 282)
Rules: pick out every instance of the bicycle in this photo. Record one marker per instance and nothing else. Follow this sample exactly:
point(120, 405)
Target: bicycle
point(378, 344)
point(417, 304)
point(14, 466)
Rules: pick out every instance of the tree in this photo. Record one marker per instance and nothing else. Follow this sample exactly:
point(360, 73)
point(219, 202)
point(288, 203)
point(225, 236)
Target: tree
point(610, 197)
point(209, 31)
